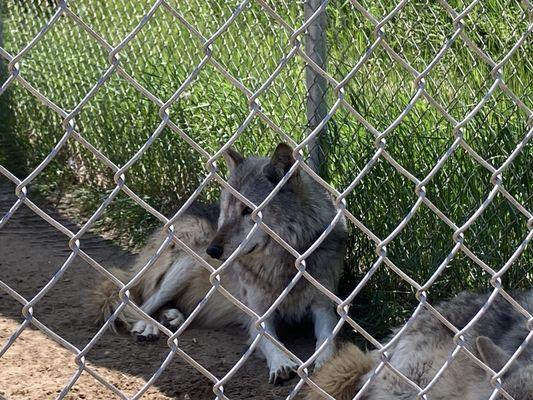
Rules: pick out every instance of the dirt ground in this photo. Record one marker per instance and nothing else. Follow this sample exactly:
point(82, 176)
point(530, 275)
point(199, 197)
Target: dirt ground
point(36, 367)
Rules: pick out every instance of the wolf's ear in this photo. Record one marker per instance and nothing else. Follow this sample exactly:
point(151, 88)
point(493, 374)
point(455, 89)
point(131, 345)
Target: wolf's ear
point(233, 158)
point(491, 354)
point(280, 163)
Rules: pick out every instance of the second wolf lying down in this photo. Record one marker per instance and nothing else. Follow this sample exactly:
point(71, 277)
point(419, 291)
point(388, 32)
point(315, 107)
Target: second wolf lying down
point(299, 213)
point(424, 348)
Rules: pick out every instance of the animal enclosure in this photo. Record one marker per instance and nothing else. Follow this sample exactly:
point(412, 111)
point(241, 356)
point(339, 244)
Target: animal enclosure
point(415, 116)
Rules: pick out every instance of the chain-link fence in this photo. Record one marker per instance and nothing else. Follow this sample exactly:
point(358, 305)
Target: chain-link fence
point(416, 115)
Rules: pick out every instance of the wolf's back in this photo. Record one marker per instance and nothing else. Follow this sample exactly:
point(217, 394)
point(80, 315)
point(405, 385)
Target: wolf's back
point(341, 375)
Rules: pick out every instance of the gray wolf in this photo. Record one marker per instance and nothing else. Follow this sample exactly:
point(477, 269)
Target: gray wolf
point(426, 345)
point(299, 213)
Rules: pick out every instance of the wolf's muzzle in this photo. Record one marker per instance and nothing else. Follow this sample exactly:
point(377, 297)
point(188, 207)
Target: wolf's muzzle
point(215, 251)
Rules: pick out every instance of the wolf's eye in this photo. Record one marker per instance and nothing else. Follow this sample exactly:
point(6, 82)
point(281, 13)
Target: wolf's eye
point(246, 211)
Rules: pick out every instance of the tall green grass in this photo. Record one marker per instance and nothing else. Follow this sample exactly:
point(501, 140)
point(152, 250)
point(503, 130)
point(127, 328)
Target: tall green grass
point(68, 62)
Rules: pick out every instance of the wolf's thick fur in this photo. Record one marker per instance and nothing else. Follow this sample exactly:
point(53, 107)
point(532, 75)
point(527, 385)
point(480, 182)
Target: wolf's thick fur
point(340, 376)
point(299, 213)
point(425, 347)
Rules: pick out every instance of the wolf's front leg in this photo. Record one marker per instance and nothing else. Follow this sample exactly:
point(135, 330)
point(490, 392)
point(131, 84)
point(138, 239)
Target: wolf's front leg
point(281, 367)
point(324, 320)
point(165, 291)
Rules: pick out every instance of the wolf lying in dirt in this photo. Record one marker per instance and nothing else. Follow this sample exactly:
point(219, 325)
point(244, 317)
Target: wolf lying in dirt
point(424, 348)
point(299, 213)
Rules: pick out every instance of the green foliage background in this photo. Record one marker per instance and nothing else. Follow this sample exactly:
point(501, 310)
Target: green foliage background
point(68, 62)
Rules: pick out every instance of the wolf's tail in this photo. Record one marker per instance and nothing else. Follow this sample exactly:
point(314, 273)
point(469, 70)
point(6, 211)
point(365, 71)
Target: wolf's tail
point(340, 377)
point(104, 301)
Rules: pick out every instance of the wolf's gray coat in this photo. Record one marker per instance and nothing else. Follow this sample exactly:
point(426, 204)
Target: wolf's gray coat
point(426, 345)
point(299, 213)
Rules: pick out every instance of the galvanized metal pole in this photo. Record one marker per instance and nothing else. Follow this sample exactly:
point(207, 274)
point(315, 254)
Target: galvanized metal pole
point(317, 108)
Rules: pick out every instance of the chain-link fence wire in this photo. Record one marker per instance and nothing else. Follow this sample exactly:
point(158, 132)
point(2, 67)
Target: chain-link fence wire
point(426, 139)
point(67, 61)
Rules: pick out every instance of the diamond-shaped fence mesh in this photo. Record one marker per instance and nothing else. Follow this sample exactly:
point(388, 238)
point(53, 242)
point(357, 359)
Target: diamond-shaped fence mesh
point(415, 115)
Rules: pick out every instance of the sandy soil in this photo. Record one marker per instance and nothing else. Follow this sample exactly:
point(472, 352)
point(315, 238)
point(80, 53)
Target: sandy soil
point(36, 367)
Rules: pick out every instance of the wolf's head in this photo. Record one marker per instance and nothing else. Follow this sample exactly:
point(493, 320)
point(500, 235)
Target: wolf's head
point(518, 381)
point(255, 178)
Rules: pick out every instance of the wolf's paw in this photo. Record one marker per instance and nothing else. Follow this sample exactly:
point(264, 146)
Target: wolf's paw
point(172, 318)
point(144, 331)
point(325, 355)
point(282, 369)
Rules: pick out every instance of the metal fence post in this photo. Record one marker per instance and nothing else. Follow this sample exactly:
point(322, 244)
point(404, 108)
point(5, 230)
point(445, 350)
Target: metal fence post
point(316, 85)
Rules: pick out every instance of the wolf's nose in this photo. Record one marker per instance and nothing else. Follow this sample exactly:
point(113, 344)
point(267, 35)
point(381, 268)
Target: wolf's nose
point(215, 251)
